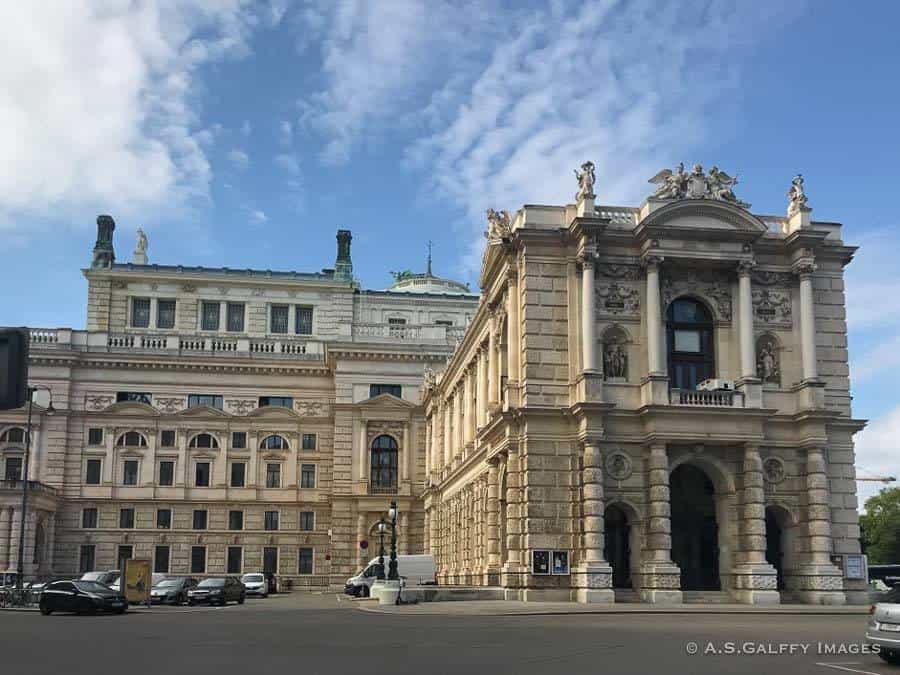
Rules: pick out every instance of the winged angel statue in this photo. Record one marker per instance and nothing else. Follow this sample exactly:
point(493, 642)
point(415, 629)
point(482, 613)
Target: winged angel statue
point(679, 184)
point(498, 225)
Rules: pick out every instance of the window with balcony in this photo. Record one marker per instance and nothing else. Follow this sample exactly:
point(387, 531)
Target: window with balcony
point(166, 472)
point(270, 521)
point(689, 333)
point(210, 400)
point(384, 463)
point(273, 475)
point(165, 314)
point(397, 328)
point(140, 312)
point(303, 320)
point(307, 475)
point(235, 318)
point(392, 389)
point(238, 474)
point(130, 472)
point(279, 319)
point(201, 474)
point(209, 316)
point(92, 472)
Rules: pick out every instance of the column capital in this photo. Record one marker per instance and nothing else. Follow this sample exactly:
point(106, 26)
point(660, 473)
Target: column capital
point(804, 268)
point(745, 268)
point(587, 259)
point(652, 261)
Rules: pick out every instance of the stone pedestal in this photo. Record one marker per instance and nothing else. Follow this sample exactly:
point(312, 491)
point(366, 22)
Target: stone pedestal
point(386, 591)
point(661, 583)
point(751, 388)
point(655, 390)
point(594, 583)
point(756, 584)
point(816, 584)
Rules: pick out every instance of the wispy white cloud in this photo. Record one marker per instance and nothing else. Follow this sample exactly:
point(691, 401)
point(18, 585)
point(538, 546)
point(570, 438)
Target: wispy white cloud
point(878, 452)
point(288, 163)
point(285, 133)
point(258, 217)
point(96, 105)
point(239, 158)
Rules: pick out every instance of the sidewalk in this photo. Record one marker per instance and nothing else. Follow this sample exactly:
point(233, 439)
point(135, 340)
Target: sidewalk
point(516, 608)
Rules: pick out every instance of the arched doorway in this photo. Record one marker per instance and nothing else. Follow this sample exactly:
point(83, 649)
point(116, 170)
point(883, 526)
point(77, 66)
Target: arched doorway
point(384, 465)
point(779, 539)
point(695, 532)
point(617, 545)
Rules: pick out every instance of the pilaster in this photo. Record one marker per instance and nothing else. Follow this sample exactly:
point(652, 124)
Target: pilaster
point(660, 577)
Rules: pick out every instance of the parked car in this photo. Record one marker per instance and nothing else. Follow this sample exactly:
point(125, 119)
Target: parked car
point(81, 597)
point(218, 591)
point(884, 626)
point(105, 578)
point(255, 584)
point(172, 590)
point(415, 570)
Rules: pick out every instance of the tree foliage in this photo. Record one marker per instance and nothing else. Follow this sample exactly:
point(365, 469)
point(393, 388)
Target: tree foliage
point(880, 527)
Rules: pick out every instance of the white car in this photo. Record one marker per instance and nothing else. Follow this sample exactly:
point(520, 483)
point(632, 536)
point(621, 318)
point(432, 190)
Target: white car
point(884, 626)
point(256, 584)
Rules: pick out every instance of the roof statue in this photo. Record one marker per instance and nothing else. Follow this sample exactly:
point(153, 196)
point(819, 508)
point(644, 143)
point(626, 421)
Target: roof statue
point(586, 179)
point(796, 195)
point(140, 248)
point(498, 225)
point(400, 276)
point(680, 184)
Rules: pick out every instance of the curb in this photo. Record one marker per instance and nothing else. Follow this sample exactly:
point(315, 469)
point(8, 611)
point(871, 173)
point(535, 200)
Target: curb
point(849, 611)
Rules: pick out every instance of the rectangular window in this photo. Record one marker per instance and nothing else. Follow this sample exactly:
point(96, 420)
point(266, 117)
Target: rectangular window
point(164, 519)
point(279, 319)
point(92, 472)
point(235, 317)
point(200, 517)
point(271, 521)
point(392, 389)
point(276, 401)
point(238, 474)
point(201, 474)
point(198, 559)
point(89, 518)
point(134, 397)
point(86, 558)
point(126, 519)
point(130, 472)
point(303, 320)
point(166, 472)
point(397, 328)
point(309, 441)
point(239, 440)
point(235, 520)
point(124, 553)
point(209, 317)
point(140, 312)
point(307, 521)
point(13, 470)
point(305, 561)
point(95, 436)
point(161, 559)
point(273, 475)
point(307, 475)
point(165, 314)
point(211, 400)
point(235, 553)
point(443, 322)
point(167, 438)
point(687, 341)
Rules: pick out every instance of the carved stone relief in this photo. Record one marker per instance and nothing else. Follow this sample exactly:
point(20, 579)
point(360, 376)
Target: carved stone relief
point(618, 465)
point(773, 306)
point(617, 299)
point(312, 408)
point(623, 272)
point(773, 470)
point(768, 366)
point(240, 406)
point(169, 405)
point(97, 402)
point(710, 284)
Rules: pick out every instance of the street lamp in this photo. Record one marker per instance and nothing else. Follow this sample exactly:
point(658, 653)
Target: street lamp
point(20, 567)
point(392, 569)
point(382, 526)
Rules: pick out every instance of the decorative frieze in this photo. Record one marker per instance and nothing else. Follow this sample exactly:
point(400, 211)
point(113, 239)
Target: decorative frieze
point(713, 285)
point(616, 299)
point(169, 405)
point(313, 408)
point(240, 406)
point(98, 402)
point(772, 306)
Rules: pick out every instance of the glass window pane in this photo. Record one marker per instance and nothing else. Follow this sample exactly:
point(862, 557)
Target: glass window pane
point(161, 560)
point(234, 559)
point(238, 474)
point(165, 314)
point(202, 474)
point(89, 518)
point(273, 475)
point(199, 519)
point(92, 472)
point(305, 562)
point(166, 472)
point(140, 312)
point(13, 468)
point(209, 319)
point(198, 559)
point(307, 520)
point(687, 341)
point(239, 440)
point(303, 321)
point(271, 520)
point(130, 474)
point(167, 438)
point(307, 475)
point(236, 317)
point(164, 518)
point(126, 518)
point(95, 436)
point(279, 319)
point(235, 520)
point(309, 441)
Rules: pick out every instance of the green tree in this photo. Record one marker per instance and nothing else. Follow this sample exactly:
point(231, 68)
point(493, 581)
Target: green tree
point(880, 526)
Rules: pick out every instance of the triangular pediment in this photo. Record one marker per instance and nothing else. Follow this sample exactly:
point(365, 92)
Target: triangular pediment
point(383, 401)
point(131, 408)
point(202, 411)
point(273, 412)
point(702, 216)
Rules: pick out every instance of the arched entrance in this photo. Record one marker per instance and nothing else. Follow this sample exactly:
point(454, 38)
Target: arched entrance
point(779, 541)
point(617, 545)
point(695, 532)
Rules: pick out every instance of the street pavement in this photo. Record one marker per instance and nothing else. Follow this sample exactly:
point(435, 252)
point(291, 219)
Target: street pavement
point(307, 634)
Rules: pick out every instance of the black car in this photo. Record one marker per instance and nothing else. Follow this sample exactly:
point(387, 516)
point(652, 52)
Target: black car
point(81, 597)
point(218, 591)
point(172, 590)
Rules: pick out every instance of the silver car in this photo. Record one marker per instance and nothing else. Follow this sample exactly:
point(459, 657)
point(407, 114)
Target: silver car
point(884, 626)
point(256, 584)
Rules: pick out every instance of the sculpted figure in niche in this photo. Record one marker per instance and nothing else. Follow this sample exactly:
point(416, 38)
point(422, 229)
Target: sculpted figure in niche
point(615, 360)
point(767, 368)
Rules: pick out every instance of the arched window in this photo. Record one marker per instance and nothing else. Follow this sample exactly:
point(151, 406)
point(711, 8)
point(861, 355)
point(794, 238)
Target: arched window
point(13, 435)
point(384, 465)
point(689, 333)
point(132, 439)
point(274, 442)
point(203, 441)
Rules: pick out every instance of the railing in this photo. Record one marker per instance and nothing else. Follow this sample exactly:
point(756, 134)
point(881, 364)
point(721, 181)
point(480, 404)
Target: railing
point(33, 486)
point(692, 397)
point(406, 333)
point(382, 489)
point(43, 336)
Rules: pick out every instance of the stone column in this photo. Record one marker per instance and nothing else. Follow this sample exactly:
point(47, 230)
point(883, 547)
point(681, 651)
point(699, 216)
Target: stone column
point(594, 575)
point(493, 380)
point(458, 421)
point(5, 534)
point(745, 304)
point(588, 318)
point(660, 577)
point(492, 573)
point(406, 454)
point(51, 542)
point(513, 351)
point(471, 404)
point(428, 449)
point(654, 319)
point(818, 581)
point(513, 576)
point(363, 450)
point(360, 535)
point(426, 535)
point(482, 386)
point(448, 439)
point(403, 541)
point(755, 580)
point(807, 322)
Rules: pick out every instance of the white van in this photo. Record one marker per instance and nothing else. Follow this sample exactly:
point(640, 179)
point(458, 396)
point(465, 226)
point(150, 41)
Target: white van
point(415, 570)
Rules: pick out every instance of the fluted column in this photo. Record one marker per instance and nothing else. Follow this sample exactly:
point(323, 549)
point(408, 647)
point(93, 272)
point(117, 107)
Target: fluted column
point(745, 304)
point(588, 319)
point(807, 321)
point(654, 318)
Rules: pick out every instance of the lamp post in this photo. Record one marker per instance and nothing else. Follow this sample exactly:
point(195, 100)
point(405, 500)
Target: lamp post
point(392, 569)
point(382, 526)
point(20, 567)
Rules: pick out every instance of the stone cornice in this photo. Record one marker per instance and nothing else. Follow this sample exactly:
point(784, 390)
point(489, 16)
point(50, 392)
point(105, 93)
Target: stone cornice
point(118, 361)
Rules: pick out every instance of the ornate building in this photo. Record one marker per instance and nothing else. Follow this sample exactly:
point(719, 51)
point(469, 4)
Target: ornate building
point(650, 403)
point(224, 420)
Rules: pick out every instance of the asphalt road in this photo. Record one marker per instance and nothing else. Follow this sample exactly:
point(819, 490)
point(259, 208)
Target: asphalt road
point(320, 634)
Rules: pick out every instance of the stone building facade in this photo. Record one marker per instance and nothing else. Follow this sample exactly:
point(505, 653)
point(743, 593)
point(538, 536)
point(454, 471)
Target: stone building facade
point(222, 420)
point(650, 403)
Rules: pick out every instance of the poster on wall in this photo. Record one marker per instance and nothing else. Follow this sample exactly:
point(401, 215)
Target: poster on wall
point(137, 580)
point(560, 562)
point(540, 562)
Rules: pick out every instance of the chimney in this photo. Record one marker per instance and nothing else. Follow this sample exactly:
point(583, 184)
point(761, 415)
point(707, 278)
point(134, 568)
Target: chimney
point(343, 265)
point(104, 254)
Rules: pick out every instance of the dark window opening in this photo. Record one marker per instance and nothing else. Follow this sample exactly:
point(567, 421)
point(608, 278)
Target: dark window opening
point(689, 337)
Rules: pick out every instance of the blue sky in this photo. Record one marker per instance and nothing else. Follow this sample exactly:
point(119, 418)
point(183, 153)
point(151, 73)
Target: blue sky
point(245, 134)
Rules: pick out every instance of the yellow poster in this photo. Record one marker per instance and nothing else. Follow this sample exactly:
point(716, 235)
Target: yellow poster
point(137, 580)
